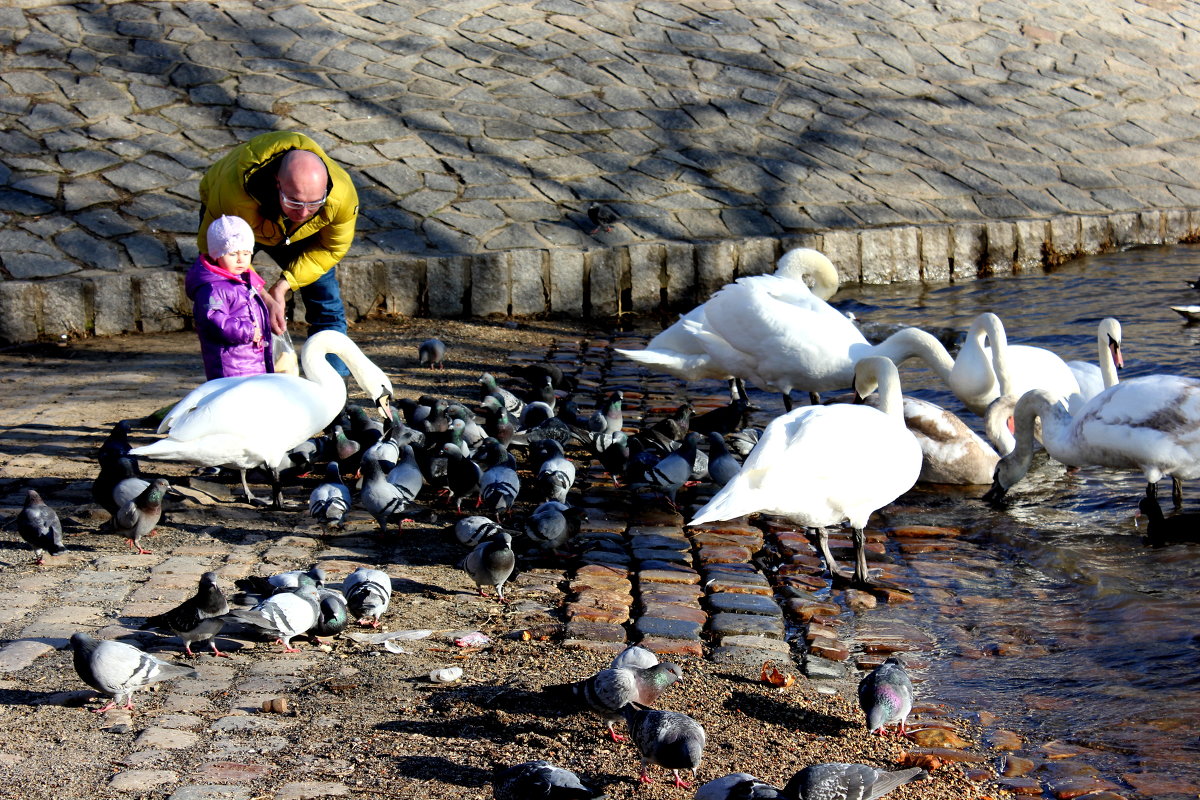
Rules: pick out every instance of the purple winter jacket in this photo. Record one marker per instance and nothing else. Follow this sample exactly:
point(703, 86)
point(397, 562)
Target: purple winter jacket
point(225, 313)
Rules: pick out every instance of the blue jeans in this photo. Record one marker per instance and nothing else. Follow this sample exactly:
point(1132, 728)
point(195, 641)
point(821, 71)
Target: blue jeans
point(323, 310)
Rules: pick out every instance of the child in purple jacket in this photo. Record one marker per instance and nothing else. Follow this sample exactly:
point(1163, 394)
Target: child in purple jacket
point(229, 311)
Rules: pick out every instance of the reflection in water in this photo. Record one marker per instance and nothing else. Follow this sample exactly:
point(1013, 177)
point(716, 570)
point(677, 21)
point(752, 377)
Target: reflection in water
point(1051, 612)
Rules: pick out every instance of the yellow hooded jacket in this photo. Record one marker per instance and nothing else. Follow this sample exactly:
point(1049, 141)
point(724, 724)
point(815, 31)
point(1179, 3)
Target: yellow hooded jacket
point(242, 183)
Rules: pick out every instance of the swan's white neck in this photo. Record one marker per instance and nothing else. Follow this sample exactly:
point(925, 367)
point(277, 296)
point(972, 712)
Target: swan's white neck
point(877, 372)
point(810, 266)
point(916, 343)
point(1108, 337)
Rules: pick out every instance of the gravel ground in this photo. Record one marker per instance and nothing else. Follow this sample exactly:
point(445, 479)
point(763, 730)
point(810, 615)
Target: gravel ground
point(359, 718)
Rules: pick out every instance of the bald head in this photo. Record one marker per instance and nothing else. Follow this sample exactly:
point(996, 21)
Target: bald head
point(302, 177)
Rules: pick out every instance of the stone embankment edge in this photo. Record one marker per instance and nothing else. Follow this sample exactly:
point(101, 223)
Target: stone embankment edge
point(600, 283)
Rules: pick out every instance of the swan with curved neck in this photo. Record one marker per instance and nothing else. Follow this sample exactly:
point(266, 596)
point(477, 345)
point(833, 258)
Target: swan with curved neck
point(677, 351)
point(982, 372)
point(820, 465)
point(254, 420)
point(1095, 378)
point(1151, 424)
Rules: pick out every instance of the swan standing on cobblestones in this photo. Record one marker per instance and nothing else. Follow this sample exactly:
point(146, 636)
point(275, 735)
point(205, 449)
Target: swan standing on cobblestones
point(820, 465)
point(680, 351)
point(253, 421)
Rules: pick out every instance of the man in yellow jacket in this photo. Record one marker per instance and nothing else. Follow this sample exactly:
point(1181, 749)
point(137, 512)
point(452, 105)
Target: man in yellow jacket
point(302, 208)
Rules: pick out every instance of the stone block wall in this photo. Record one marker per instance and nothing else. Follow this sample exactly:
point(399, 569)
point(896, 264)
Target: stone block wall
point(599, 283)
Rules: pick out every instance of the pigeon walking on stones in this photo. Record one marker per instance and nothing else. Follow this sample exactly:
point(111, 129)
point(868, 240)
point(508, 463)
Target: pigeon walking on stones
point(610, 690)
point(540, 779)
point(382, 500)
point(264, 587)
point(492, 563)
point(552, 524)
point(333, 614)
point(470, 531)
point(499, 484)
point(849, 781)
point(634, 656)
point(116, 445)
point(140, 516)
point(113, 474)
point(886, 696)
point(197, 619)
point(722, 466)
point(432, 353)
point(288, 614)
point(118, 669)
point(330, 500)
point(40, 527)
point(368, 594)
point(669, 739)
point(602, 218)
point(555, 474)
point(740, 786)
point(673, 471)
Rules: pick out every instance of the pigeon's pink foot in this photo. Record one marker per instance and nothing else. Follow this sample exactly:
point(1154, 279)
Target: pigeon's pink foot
point(681, 783)
point(645, 777)
point(109, 706)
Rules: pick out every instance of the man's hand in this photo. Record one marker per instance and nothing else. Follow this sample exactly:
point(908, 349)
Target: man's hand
point(276, 299)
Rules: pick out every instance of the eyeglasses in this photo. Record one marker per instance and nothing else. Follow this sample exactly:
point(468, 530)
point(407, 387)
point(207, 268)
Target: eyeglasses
point(296, 205)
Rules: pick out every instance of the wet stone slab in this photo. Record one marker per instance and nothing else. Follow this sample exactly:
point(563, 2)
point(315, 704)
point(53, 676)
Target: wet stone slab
point(743, 604)
point(729, 624)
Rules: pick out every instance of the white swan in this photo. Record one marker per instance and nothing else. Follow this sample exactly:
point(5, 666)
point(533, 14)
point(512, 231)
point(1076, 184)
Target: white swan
point(982, 372)
point(820, 465)
point(1151, 424)
point(254, 420)
point(677, 350)
point(1095, 378)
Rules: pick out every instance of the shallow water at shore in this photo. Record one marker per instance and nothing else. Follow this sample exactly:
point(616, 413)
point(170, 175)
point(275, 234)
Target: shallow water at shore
point(1056, 616)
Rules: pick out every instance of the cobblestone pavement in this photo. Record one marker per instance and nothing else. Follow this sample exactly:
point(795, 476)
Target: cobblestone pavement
point(490, 127)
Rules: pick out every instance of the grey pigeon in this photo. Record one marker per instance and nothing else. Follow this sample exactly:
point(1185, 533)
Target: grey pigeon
point(499, 484)
point(330, 500)
point(722, 466)
point(333, 614)
point(742, 442)
point(634, 656)
point(40, 527)
point(552, 524)
point(610, 690)
point(140, 516)
point(609, 414)
point(675, 469)
point(381, 499)
point(116, 445)
point(288, 614)
point(265, 587)
point(368, 594)
point(739, 786)
point(886, 696)
point(847, 782)
point(534, 415)
point(197, 619)
point(540, 779)
point(432, 353)
point(118, 669)
point(669, 739)
point(555, 474)
point(470, 531)
point(602, 218)
point(511, 403)
point(111, 475)
point(492, 563)
point(406, 474)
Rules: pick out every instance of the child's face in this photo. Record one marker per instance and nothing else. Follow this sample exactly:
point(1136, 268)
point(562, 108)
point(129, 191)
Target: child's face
point(236, 262)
